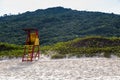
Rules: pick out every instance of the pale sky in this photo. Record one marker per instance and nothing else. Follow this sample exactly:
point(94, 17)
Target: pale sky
point(20, 6)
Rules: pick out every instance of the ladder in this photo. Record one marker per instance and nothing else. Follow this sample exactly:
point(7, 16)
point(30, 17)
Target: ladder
point(30, 54)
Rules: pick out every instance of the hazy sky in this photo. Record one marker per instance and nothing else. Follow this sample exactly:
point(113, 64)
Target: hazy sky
point(20, 6)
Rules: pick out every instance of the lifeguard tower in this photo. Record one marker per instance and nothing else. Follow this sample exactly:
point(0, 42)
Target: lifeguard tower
point(31, 50)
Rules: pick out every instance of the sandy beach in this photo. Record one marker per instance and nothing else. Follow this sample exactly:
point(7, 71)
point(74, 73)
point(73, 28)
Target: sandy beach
point(61, 69)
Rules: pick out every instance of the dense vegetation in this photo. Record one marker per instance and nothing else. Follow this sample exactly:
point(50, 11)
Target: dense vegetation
point(58, 24)
point(10, 50)
point(85, 47)
point(80, 47)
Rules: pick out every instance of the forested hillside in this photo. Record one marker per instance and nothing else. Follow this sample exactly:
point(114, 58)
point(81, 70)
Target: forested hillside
point(58, 24)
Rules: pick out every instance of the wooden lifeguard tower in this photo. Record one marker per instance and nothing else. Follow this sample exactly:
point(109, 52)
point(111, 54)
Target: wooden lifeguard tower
point(31, 50)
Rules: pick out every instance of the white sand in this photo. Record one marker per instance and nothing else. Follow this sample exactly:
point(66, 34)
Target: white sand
point(62, 69)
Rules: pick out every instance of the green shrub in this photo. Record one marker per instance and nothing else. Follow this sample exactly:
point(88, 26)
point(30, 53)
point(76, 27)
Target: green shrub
point(10, 50)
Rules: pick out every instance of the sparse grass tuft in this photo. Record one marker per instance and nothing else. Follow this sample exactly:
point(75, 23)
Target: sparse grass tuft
point(57, 56)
